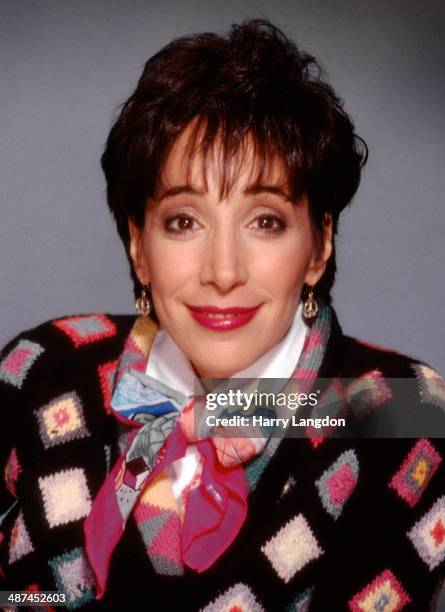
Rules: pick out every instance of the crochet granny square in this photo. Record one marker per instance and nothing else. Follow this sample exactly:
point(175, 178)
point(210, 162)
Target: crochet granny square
point(431, 384)
point(15, 366)
point(293, 547)
point(367, 392)
point(428, 535)
point(411, 480)
point(384, 593)
point(74, 577)
point(85, 329)
point(61, 420)
point(337, 483)
point(65, 496)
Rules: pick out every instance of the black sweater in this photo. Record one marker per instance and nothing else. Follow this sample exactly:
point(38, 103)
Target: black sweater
point(342, 523)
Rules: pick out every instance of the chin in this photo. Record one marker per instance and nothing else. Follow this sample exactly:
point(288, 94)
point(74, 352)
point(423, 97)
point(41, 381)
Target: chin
point(223, 359)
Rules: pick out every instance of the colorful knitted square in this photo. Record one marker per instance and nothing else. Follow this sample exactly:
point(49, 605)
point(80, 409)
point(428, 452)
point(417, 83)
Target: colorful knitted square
point(20, 542)
point(383, 594)
point(338, 482)
point(61, 420)
point(428, 535)
point(293, 547)
point(330, 401)
point(431, 384)
point(367, 392)
point(65, 496)
point(411, 480)
point(107, 375)
point(239, 598)
point(74, 577)
point(85, 329)
point(17, 363)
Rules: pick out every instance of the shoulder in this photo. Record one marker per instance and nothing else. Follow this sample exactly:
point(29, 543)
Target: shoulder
point(57, 342)
point(409, 394)
point(355, 357)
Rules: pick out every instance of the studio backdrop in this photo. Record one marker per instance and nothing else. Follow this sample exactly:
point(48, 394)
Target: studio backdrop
point(66, 66)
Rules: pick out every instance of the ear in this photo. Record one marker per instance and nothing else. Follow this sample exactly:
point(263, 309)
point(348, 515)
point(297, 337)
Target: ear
point(137, 254)
point(321, 256)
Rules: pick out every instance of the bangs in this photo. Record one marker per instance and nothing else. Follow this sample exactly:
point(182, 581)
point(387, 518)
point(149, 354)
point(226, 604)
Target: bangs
point(233, 148)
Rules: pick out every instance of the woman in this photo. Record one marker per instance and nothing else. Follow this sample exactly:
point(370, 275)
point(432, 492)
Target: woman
point(226, 173)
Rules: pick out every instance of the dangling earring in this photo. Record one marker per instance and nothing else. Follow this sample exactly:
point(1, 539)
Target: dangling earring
point(143, 304)
point(310, 305)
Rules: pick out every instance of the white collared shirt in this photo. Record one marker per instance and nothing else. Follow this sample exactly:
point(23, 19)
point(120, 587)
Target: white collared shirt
point(168, 364)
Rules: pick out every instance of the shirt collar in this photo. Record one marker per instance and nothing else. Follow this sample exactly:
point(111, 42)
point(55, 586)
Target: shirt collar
point(168, 364)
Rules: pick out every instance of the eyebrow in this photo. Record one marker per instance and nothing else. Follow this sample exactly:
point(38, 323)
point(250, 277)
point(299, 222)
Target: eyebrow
point(179, 190)
point(254, 189)
point(258, 188)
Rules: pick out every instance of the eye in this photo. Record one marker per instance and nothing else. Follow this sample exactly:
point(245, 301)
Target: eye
point(180, 224)
point(268, 224)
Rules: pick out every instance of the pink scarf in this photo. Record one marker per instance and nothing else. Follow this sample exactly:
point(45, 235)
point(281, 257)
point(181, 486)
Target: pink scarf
point(217, 508)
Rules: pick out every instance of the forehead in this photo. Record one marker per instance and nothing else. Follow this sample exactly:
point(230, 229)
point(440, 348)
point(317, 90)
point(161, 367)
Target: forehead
point(222, 164)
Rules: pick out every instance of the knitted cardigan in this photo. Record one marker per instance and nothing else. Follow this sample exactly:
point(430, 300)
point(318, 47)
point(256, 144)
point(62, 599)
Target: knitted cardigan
point(333, 524)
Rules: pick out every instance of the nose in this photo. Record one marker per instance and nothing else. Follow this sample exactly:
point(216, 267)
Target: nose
point(225, 261)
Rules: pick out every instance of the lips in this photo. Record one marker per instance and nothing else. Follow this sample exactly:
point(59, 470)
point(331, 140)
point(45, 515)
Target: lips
point(223, 319)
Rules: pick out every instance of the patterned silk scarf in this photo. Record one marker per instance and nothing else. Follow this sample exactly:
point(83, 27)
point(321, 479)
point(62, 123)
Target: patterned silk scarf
point(152, 439)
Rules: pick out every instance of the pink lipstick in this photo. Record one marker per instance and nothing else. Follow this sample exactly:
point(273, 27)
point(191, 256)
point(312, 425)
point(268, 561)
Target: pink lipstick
point(223, 319)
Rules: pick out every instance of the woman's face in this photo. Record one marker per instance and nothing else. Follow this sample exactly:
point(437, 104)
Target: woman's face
point(226, 273)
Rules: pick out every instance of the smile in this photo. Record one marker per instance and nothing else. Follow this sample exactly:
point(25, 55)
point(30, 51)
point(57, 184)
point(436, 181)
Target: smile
point(222, 319)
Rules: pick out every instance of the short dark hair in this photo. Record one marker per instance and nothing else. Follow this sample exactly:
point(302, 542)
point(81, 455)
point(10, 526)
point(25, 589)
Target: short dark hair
point(253, 83)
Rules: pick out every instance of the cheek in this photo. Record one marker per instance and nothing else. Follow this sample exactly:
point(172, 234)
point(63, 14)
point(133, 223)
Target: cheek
point(282, 268)
point(171, 268)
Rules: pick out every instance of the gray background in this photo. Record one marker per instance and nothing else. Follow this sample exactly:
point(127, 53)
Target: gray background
point(65, 67)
